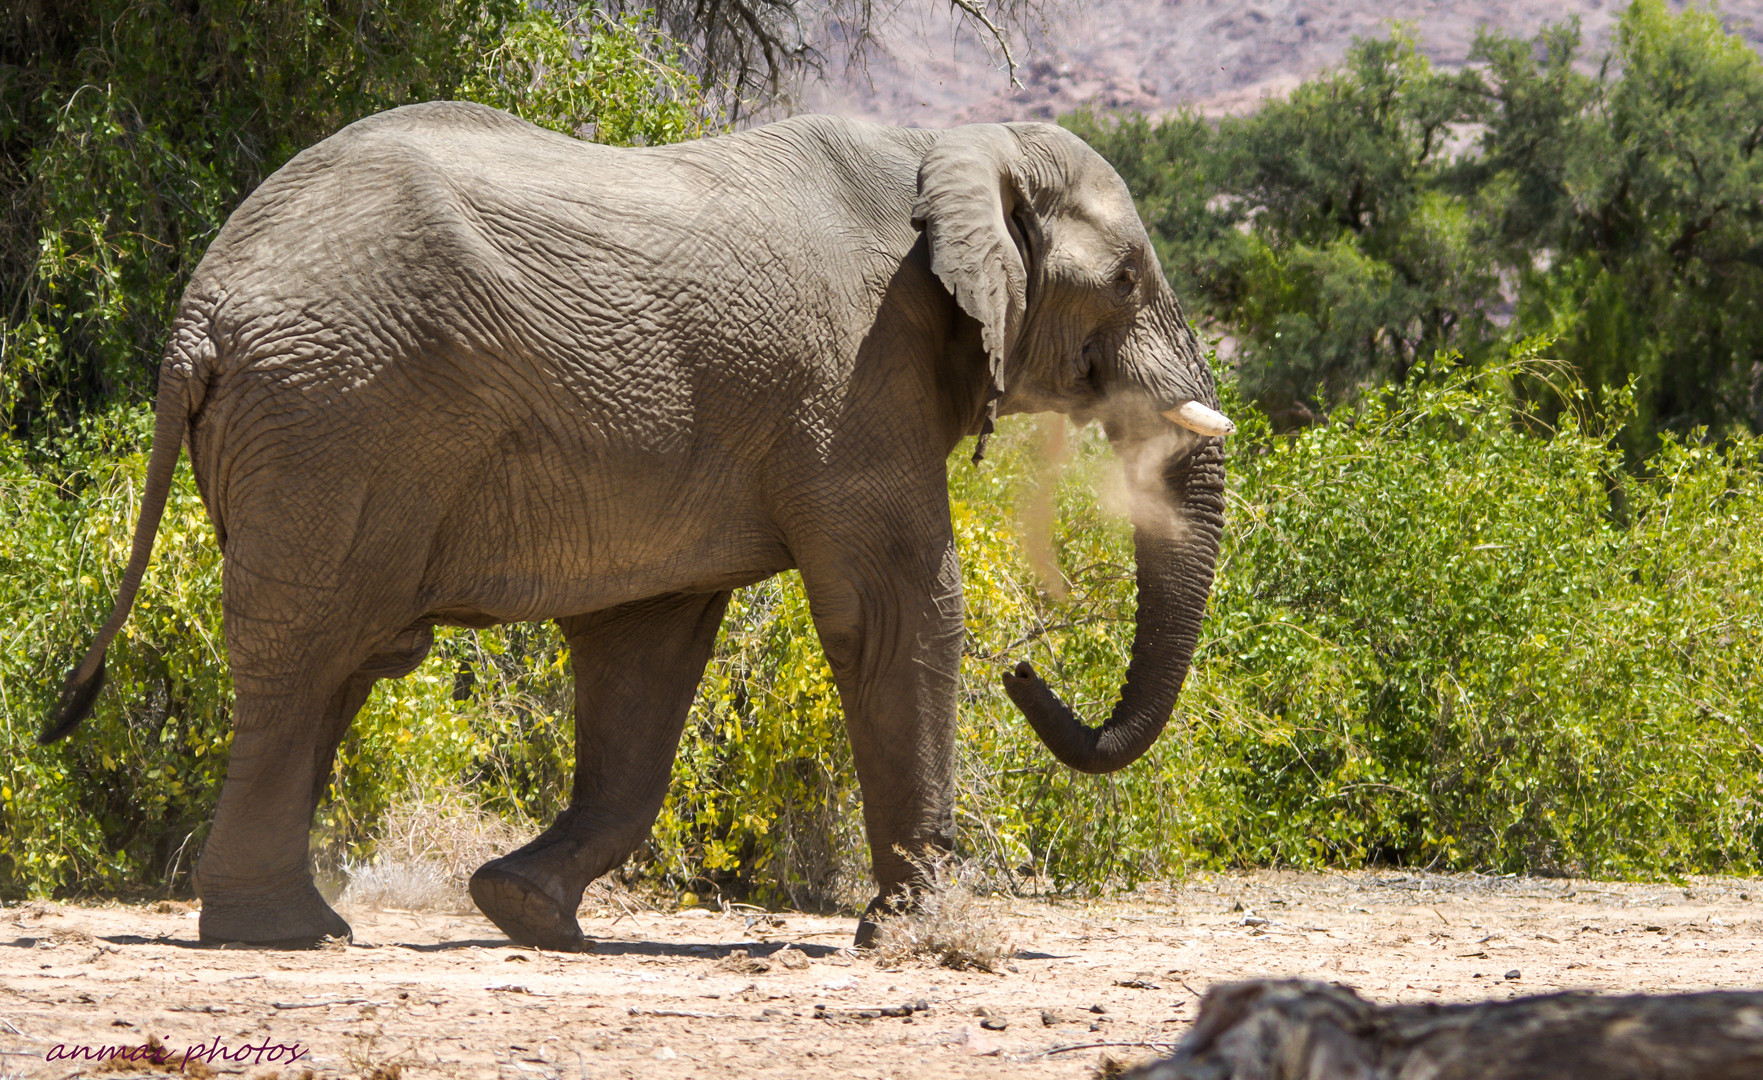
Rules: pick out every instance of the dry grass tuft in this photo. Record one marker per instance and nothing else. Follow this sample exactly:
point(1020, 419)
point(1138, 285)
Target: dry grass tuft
point(401, 886)
point(948, 925)
point(70, 935)
point(427, 850)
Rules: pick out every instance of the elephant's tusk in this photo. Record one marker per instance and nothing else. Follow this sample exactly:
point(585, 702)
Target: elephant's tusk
point(1198, 418)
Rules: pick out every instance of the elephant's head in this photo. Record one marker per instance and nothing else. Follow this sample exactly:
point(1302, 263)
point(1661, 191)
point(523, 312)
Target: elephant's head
point(1038, 240)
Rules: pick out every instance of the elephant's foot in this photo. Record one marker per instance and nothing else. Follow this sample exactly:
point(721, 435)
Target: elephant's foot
point(295, 918)
point(869, 927)
point(524, 910)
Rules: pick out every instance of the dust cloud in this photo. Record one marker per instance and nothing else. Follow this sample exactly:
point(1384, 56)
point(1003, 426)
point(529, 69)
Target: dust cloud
point(1128, 486)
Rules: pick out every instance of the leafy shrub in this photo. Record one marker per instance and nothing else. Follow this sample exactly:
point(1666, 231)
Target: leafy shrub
point(1386, 211)
point(127, 801)
point(1438, 637)
point(1443, 632)
point(129, 129)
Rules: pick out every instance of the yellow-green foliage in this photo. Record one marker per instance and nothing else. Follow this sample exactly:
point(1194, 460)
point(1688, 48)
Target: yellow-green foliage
point(1439, 636)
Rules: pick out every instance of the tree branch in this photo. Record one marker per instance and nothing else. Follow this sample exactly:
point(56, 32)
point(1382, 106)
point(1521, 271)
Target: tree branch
point(976, 10)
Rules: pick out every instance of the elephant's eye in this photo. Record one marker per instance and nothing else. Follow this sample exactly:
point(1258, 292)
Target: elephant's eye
point(1125, 280)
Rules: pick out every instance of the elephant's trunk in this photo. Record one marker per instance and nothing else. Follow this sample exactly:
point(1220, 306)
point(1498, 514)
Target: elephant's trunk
point(1176, 552)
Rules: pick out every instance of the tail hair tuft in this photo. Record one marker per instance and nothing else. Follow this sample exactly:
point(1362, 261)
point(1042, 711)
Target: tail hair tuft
point(78, 695)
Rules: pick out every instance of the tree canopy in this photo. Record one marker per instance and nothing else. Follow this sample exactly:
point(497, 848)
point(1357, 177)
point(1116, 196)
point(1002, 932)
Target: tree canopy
point(130, 130)
point(1387, 210)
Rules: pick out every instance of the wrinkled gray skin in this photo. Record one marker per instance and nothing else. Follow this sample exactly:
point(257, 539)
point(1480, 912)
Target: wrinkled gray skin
point(447, 368)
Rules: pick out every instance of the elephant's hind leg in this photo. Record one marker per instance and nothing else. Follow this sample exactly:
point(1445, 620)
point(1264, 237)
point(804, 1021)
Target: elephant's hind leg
point(636, 670)
point(254, 878)
point(254, 875)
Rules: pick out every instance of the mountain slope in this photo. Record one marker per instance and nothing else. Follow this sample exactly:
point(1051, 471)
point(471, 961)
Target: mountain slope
point(1156, 56)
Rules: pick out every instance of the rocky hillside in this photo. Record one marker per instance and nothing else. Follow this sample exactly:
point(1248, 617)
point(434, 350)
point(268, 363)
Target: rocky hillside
point(1158, 55)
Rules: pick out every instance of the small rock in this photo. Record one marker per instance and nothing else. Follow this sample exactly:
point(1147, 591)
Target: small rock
point(1098, 1009)
point(1514, 974)
point(791, 958)
point(1095, 1025)
point(1048, 1019)
point(665, 1054)
point(994, 1023)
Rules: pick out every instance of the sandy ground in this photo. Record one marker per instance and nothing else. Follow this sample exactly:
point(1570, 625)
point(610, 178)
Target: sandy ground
point(700, 993)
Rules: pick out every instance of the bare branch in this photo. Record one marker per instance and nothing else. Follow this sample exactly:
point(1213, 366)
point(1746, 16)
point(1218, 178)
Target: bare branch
point(976, 10)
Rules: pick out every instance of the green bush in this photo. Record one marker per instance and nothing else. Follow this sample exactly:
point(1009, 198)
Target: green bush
point(1386, 211)
point(1433, 642)
point(129, 129)
point(1438, 637)
point(1445, 632)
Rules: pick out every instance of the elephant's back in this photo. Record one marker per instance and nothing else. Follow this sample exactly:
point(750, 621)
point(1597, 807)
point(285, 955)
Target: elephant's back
point(447, 283)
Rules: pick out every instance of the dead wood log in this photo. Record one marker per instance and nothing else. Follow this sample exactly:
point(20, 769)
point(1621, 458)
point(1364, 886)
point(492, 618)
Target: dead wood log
point(1296, 1030)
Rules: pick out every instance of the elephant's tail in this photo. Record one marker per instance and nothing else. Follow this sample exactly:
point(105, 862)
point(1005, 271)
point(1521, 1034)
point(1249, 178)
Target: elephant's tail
point(171, 420)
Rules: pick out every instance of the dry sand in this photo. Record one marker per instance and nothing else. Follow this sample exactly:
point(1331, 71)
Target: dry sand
point(671, 995)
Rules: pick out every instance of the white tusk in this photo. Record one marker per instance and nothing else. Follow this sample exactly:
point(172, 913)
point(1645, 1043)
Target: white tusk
point(1198, 418)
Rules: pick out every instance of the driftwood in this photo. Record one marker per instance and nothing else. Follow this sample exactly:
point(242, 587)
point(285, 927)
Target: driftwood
point(1293, 1030)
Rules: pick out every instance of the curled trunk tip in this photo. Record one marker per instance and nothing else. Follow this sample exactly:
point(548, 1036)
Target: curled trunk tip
point(1071, 740)
point(1174, 571)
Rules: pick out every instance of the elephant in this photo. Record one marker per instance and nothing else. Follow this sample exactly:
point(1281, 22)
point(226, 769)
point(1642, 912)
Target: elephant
point(447, 368)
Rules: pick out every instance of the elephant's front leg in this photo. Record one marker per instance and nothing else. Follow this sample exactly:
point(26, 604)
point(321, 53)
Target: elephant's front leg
point(637, 668)
point(888, 609)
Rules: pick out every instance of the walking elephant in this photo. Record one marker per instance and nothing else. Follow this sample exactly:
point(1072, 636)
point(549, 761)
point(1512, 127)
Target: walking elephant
point(447, 368)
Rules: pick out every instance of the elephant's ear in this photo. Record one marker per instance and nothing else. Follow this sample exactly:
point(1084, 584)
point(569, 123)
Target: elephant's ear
point(967, 190)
